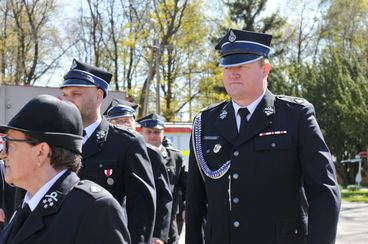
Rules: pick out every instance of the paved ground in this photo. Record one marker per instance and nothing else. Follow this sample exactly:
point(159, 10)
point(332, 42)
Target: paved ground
point(353, 224)
point(352, 227)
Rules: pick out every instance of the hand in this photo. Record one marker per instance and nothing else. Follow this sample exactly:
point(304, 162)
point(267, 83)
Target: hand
point(2, 215)
point(157, 241)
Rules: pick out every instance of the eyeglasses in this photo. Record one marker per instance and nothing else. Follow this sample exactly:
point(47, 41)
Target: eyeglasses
point(5, 143)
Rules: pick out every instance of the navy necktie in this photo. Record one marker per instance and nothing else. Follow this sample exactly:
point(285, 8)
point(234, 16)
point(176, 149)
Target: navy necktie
point(19, 218)
point(243, 112)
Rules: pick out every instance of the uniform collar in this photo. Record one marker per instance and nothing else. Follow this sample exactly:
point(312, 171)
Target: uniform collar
point(251, 107)
point(91, 128)
point(36, 198)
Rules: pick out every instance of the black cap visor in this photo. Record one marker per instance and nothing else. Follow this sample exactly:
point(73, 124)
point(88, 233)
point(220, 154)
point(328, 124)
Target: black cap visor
point(239, 59)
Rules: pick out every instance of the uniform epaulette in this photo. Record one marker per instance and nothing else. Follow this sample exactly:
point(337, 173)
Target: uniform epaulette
point(172, 149)
point(291, 99)
point(151, 146)
point(91, 189)
point(127, 130)
point(213, 105)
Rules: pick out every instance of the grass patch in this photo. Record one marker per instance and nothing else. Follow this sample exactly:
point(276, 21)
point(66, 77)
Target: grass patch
point(355, 195)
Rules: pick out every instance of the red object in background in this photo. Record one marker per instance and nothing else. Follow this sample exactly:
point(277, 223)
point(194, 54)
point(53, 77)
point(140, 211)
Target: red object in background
point(363, 154)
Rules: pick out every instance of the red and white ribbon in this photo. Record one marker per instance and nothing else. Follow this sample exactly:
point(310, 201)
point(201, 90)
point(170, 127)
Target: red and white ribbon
point(281, 132)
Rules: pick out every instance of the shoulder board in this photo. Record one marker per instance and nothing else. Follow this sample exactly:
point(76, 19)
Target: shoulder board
point(151, 146)
point(126, 130)
point(172, 149)
point(214, 105)
point(295, 100)
point(91, 188)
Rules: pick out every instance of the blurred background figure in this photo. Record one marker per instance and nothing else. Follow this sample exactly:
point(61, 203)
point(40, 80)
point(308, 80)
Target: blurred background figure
point(152, 129)
point(122, 113)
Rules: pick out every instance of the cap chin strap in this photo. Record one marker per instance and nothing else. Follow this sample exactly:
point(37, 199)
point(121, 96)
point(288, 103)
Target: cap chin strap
point(238, 64)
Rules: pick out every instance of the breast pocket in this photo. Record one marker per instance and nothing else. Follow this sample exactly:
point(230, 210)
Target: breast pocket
point(292, 229)
point(103, 172)
point(272, 142)
point(213, 146)
point(215, 152)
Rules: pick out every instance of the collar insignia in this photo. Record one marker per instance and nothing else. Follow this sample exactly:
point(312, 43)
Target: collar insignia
point(51, 199)
point(223, 114)
point(232, 37)
point(268, 111)
point(100, 135)
point(164, 154)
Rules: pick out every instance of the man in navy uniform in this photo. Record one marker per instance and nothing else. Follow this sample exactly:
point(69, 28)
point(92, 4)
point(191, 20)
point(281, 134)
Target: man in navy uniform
point(112, 156)
point(122, 113)
point(259, 168)
point(42, 155)
point(152, 127)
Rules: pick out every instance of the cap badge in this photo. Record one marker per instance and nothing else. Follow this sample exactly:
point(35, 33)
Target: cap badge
point(51, 199)
point(223, 114)
point(232, 37)
point(268, 111)
point(74, 65)
point(114, 103)
point(217, 148)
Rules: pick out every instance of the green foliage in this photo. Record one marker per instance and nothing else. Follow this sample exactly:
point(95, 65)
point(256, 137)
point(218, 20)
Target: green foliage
point(337, 86)
point(355, 194)
point(182, 36)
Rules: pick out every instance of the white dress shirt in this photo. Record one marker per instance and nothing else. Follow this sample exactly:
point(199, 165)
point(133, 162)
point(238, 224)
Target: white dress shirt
point(90, 129)
point(251, 108)
point(36, 198)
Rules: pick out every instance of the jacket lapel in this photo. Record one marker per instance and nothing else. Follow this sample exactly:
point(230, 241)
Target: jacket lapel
point(48, 205)
point(227, 123)
point(261, 118)
point(94, 143)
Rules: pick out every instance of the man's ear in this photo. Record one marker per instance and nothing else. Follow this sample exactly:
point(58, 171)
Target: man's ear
point(43, 153)
point(100, 95)
point(267, 67)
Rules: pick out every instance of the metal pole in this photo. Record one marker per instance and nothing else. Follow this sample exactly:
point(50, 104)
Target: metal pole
point(158, 77)
point(149, 78)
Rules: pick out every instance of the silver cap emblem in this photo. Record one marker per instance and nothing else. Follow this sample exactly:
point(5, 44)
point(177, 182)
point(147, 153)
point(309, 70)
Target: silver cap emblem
point(74, 65)
point(232, 37)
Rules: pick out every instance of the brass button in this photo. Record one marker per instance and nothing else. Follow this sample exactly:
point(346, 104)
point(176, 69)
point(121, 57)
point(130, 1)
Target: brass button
point(273, 144)
point(236, 153)
point(236, 224)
